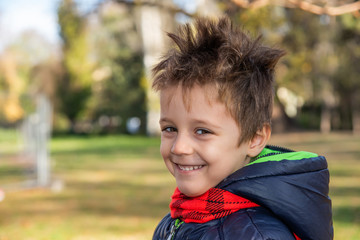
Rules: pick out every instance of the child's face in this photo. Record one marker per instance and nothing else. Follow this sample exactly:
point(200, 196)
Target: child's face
point(200, 144)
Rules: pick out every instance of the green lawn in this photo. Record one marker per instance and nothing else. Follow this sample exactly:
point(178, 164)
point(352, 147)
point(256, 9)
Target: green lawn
point(117, 187)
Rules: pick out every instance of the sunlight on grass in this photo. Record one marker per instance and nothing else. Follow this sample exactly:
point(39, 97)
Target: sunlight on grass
point(10, 142)
point(117, 187)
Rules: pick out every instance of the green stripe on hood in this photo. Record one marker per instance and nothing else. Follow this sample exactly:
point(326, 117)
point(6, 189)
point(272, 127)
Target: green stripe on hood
point(269, 155)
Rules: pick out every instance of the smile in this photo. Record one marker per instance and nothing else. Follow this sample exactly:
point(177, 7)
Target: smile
point(189, 168)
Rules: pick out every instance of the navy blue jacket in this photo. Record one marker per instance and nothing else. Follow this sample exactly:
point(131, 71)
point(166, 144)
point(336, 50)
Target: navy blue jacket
point(292, 190)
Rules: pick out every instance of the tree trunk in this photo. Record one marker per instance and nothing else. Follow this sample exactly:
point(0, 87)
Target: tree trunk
point(153, 22)
point(356, 121)
point(355, 110)
point(325, 123)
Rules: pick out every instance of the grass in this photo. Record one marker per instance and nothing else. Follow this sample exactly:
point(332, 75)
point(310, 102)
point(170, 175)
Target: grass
point(117, 187)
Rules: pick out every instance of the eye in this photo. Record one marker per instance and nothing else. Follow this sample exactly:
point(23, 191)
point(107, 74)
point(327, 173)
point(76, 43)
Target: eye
point(169, 129)
point(202, 131)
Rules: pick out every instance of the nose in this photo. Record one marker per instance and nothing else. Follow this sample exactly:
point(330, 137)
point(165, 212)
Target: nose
point(182, 145)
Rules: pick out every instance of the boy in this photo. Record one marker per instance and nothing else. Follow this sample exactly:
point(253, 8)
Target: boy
point(216, 94)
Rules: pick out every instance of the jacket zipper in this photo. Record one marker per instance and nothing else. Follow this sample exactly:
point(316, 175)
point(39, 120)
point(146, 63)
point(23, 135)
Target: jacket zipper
point(176, 224)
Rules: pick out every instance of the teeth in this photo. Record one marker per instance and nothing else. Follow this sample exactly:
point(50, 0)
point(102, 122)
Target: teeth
point(189, 168)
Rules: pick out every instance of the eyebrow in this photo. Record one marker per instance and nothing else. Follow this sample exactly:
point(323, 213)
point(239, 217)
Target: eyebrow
point(164, 120)
point(196, 121)
point(200, 121)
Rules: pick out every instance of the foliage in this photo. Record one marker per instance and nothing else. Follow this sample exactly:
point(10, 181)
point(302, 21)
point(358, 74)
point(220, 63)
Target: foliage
point(74, 88)
point(102, 69)
point(16, 84)
point(117, 48)
point(346, 78)
point(321, 65)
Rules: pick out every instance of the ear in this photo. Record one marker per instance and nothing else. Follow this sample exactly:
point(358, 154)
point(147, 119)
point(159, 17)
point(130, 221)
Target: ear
point(259, 141)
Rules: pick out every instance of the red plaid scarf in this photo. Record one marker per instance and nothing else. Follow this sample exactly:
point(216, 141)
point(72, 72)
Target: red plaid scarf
point(215, 203)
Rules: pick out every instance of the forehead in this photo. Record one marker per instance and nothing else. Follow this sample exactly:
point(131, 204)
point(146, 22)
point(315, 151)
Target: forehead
point(198, 104)
point(207, 93)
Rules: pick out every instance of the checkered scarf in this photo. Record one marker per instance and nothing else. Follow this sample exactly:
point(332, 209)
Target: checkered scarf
point(215, 203)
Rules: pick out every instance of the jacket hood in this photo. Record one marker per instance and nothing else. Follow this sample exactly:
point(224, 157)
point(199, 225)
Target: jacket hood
point(292, 185)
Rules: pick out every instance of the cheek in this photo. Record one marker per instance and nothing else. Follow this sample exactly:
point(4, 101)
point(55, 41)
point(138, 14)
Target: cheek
point(215, 152)
point(165, 153)
point(224, 155)
point(164, 148)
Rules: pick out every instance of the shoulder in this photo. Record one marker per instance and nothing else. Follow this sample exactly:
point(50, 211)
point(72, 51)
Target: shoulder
point(255, 223)
point(162, 228)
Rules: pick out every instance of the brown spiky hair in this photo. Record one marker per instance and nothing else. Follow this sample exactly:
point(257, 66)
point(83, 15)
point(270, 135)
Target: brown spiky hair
point(214, 52)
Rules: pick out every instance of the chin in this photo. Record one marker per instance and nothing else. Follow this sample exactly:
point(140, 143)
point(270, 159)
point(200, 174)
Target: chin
point(191, 192)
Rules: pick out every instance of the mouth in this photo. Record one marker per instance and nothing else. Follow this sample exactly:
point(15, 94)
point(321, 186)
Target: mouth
point(189, 168)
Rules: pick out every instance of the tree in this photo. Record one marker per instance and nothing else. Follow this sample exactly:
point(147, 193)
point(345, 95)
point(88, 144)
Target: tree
point(320, 68)
point(74, 88)
point(347, 80)
point(322, 55)
point(17, 62)
point(118, 90)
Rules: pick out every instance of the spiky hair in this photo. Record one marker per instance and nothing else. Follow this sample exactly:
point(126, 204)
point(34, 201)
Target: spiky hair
point(217, 53)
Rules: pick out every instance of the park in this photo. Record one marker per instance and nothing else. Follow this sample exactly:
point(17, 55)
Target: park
point(79, 133)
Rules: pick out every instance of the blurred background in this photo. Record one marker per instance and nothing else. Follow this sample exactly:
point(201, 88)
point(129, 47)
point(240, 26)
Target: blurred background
point(79, 145)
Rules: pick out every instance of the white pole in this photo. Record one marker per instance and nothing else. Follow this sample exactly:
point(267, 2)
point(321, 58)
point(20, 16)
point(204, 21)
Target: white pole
point(43, 130)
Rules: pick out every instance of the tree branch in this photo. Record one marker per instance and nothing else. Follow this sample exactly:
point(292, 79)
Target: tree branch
point(304, 5)
point(168, 7)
